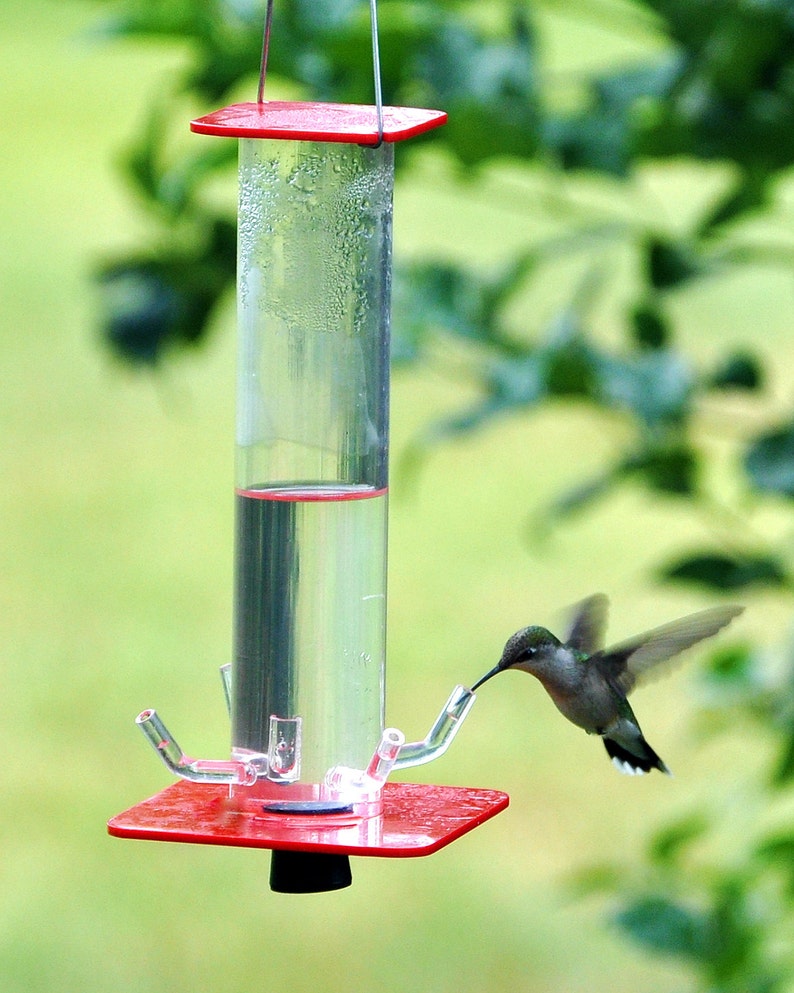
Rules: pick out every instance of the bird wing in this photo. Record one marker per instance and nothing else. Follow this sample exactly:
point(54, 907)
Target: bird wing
point(587, 626)
point(630, 663)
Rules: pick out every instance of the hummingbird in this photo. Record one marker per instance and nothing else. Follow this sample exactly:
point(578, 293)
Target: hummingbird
point(589, 685)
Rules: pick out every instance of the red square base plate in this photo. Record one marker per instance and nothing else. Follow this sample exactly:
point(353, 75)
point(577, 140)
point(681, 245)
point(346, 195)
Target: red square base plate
point(416, 820)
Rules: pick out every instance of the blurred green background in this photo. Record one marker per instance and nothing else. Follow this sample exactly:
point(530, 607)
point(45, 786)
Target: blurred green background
point(115, 594)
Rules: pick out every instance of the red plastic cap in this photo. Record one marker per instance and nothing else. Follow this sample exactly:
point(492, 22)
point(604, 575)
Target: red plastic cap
point(343, 122)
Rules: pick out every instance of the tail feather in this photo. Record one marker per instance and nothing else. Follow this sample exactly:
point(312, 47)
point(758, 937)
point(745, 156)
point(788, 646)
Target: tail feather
point(631, 763)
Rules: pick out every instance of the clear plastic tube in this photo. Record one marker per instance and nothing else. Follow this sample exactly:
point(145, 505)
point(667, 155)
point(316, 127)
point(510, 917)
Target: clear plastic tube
point(314, 277)
point(196, 770)
point(385, 755)
point(342, 779)
point(441, 734)
point(284, 749)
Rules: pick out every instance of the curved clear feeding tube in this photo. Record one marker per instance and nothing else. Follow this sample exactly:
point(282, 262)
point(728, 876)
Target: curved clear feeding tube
point(441, 734)
point(197, 770)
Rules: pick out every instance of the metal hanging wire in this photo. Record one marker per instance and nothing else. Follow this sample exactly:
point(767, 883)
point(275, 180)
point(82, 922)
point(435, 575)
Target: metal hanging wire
point(260, 94)
point(373, 18)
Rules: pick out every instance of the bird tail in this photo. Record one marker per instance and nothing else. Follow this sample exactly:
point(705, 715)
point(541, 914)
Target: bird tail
point(631, 763)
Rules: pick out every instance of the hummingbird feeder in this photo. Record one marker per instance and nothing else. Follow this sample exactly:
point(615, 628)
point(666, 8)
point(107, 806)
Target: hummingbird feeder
point(310, 755)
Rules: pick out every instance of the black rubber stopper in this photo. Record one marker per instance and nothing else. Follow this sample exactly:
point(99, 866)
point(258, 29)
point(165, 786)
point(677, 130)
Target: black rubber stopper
point(308, 872)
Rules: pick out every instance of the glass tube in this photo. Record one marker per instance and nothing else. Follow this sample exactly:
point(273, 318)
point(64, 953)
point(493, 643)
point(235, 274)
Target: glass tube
point(311, 457)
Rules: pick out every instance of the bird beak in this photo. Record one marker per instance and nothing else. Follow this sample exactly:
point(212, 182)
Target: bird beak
point(486, 677)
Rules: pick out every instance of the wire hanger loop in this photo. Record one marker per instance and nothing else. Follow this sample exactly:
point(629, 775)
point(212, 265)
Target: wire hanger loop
point(376, 72)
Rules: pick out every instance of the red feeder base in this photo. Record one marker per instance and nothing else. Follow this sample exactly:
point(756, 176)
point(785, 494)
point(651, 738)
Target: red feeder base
point(416, 820)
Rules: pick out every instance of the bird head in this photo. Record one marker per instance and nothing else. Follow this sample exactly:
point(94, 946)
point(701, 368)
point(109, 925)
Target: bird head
point(528, 649)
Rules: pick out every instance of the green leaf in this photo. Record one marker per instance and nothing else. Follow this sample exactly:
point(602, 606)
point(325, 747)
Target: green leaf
point(571, 366)
point(655, 385)
point(733, 667)
point(580, 497)
point(442, 297)
point(649, 327)
point(141, 310)
point(596, 141)
point(727, 572)
point(784, 770)
point(749, 194)
point(517, 381)
point(669, 843)
point(663, 926)
point(152, 303)
point(669, 264)
point(740, 371)
point(769, 462)
point(667, 468)
point(777, 853)
point(735, 680)
point(488, 85)
point(602, 136)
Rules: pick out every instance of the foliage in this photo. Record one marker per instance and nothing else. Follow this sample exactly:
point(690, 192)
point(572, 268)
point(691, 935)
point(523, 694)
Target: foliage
point(719, 86)
point(715, 87)
point(728, 915)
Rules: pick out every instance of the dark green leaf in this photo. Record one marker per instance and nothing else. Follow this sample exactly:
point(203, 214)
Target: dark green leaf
point(649, 327)
point(141, 311)
point(736, 932)
point(784, 770)
point(596, 141)
point(749, 194)
point(727, 572)
point(669, 265)
point(620, 91)
point(441, 297)
point(667, 468)
point(152, 303)
point(769, 462)
point(601, 137)
point(740, 371)
point(666, 927)
point(571, 367)
point(488, 86)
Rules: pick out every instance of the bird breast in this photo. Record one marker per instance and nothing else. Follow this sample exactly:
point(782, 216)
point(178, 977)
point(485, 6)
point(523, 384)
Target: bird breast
point(579, 691)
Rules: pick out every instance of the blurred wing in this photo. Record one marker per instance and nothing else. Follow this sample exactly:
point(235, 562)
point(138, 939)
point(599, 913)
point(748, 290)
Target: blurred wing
point(588, 624)
point(631, 662)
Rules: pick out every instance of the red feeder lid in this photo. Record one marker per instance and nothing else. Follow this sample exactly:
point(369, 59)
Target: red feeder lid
point(416, 820)
point(343, 122)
